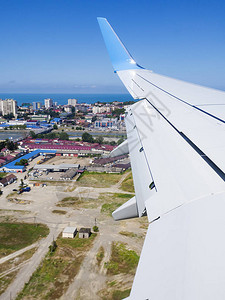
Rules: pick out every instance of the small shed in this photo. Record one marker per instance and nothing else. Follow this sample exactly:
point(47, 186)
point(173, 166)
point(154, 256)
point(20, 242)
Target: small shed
point(3, 182)
point(84, 233)
point(11, 178)
point(69, 232)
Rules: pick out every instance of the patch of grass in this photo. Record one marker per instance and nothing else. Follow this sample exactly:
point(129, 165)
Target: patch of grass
point(3, 174)
point(69, 201)
point(129, 234)
point(15, 211)
point(52, 278)
point(111, 283)
point(100, 255)
point(77, 202)
point(108, 208)
point(11, 267)
point(59, 212)
point(119, 295)
point(128, 185)
point(15, 236)
point(6, 280)
point(115, 290)
point(123, 196)
point(143, 222)
point(99, 180)
point(50, 182)
point(112, 201)
point(77, 243)
point(122, 260)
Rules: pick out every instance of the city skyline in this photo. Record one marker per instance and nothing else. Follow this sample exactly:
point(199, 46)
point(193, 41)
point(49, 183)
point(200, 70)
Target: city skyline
point(51, 47)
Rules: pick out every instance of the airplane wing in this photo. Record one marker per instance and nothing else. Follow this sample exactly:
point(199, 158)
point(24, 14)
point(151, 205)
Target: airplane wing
point(176, 141)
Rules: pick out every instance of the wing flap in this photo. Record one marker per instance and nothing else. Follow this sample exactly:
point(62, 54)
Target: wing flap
point(183, 254)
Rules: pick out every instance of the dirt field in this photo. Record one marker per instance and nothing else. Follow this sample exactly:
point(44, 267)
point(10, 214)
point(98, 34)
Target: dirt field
point(57, 160)
point(84, 204)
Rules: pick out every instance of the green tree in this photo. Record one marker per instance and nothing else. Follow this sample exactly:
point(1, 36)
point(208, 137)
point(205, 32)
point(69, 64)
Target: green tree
point(118, 111)
point(99, 140)
point(63, 136)
point(87, 137)
point(32, 134)
point(2, 145)
point(22, 162)
point(9, 116)
point(55, 126)
point(21, 186)
point(95, 228)
point(11, 145)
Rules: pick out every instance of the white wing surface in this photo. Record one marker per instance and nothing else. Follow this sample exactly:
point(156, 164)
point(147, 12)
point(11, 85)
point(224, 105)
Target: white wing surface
point(176, 141)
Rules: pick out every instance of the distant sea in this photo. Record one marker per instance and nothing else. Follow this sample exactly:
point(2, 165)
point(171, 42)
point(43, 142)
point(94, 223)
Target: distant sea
point(63, 98)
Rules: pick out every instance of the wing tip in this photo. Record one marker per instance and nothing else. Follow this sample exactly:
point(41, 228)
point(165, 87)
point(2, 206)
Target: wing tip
point(120, 57)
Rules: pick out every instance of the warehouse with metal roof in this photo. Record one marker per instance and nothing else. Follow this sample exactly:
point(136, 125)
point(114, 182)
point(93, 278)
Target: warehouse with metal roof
point(12, 167)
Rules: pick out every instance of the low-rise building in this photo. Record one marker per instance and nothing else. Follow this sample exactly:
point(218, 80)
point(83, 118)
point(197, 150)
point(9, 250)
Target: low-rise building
point(84, 233)
point(106, 123)
point(7, 180)
point(69, 174)
point(69, 232)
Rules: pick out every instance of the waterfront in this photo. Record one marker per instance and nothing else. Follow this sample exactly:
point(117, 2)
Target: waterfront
point(62, 99)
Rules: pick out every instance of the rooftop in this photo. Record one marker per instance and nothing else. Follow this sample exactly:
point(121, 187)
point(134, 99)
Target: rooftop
point(85, 230)
point(70, 230)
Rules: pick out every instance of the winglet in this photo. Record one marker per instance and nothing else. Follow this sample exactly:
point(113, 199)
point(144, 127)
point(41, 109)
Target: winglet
point(119, 55)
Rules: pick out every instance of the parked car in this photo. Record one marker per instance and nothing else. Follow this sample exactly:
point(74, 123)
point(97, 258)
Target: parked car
point(14, 190)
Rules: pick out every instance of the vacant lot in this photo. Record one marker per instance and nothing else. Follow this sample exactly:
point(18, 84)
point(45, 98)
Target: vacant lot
point(113, 201)
point(120, 270)
point(109, 202)
point(57, 160)
point(122, 260)
point(78, 202)
point(15, 236)
point(128, 185)
point(99, 180)
point(10, 268)
point(57, 270)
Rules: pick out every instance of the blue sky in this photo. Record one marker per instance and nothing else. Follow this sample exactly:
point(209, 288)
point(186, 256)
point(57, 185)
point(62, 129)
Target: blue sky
point(56, 46)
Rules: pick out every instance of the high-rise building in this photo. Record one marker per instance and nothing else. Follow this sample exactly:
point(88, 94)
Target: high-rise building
point(72, 102)
point(36, 105)
point(48, 103)
point(8, 106)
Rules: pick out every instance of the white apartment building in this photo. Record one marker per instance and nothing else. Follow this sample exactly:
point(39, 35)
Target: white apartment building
point(17, 122)
point(8, 106)
point(68, 108)
point(72, 102)
point(100, 109)
point(48, 103)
